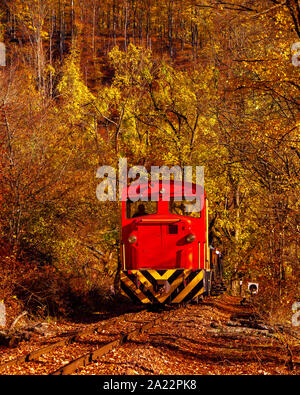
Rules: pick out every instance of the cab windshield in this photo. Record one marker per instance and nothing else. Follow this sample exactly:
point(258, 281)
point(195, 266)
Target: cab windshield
point(188, 208)
point(140, 208)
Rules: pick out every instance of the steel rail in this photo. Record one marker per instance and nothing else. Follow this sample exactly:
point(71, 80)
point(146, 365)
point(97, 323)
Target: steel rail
point(64, 342)
point(93, 356)
point(45, 350)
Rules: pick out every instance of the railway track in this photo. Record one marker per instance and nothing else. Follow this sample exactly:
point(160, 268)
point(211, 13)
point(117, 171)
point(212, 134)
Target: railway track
point(124, 333)
point(92, 355)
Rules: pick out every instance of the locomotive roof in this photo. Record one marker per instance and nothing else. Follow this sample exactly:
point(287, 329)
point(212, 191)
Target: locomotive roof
point(177, 188)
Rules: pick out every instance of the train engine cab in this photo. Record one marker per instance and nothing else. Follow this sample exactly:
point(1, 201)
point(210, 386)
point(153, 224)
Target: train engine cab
point(164, 246)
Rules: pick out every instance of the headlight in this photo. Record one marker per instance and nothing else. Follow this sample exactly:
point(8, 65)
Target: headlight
point(190, 238)
point(132, 239)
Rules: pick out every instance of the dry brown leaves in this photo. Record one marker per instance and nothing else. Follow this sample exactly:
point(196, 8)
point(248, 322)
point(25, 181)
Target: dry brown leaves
point(193, 340)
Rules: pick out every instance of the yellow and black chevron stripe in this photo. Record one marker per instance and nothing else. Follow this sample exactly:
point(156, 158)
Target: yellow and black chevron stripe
point(142, 285)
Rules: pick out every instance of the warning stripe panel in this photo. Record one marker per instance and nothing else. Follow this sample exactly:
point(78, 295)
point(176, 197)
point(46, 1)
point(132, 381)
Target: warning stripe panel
point(128, 284)
point(148, 286)
point(142, 285)
point(195, 291)
point(126, 291)
point(198, 277)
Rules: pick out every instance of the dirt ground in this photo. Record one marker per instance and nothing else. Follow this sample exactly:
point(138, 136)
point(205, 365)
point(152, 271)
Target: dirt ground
point(211, 338)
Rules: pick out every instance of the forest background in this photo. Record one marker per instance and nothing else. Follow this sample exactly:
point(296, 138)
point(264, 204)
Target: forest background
point(199, 83)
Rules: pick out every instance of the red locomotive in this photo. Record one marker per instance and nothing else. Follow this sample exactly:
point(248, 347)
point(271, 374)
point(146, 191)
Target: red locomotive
point(164, 247)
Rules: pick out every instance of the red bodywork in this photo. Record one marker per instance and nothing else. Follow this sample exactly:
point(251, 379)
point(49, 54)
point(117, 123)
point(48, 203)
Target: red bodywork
point(157, 245)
